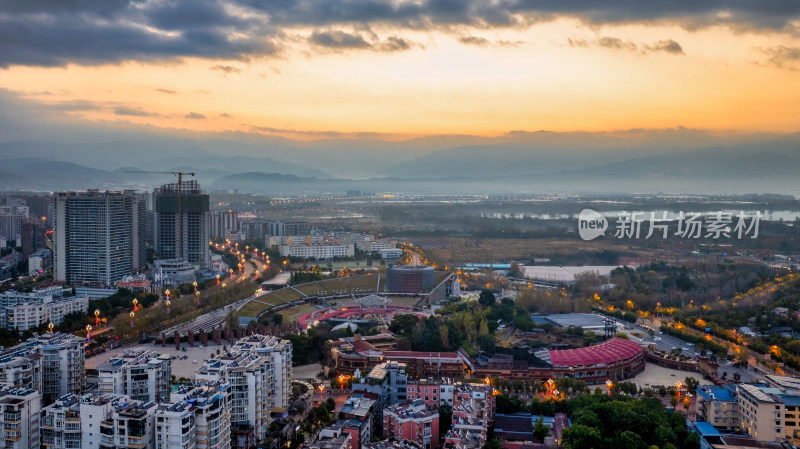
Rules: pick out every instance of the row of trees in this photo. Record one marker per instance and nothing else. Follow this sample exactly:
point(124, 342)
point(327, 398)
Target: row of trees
point(601, 421)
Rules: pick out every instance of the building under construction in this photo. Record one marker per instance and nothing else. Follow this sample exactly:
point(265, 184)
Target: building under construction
point(182, 222)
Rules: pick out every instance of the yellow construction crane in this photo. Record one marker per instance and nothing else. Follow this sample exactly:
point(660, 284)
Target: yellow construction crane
point(180, 200)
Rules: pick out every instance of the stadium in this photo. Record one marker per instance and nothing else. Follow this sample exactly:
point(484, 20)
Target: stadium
point(330, 296)
point(372, 310)
point(615, 359)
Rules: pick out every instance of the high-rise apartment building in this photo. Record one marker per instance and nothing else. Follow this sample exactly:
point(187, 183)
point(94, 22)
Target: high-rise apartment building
point(259, 370)
point(182, 222)
point(11, 220)
point(63, 356)
point(140, 374)
point(285, 228)
point(34, 232)
point(51, 363)
point(175, 426)
point(19, 418)
point(211, 406)
point(99, 236)
point(22, 311)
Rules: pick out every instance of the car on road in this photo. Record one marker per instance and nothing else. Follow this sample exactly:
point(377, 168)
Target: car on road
point(194, 361)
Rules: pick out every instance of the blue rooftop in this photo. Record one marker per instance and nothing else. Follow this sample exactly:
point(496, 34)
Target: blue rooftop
point(790, 400)
point(719, 393)
point(706, 429)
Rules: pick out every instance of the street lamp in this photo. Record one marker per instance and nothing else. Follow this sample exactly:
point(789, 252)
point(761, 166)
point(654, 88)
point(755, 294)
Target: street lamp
point(51, 326)
point(88, 333)
point(609, 384)
point(96, 317)
point(131, 315)
point(135, 305)
point(168, 303)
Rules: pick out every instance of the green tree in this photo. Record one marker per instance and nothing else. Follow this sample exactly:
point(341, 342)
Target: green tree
point(581, 437)
point(444, 335)
point(540, 431)
point(587, 418)
point(494, 443)
point(691, 384)
point(628, 440)
point(486, 298)
point(692, 441)
point(404, 324)
point(330, 404)
point(445, 418)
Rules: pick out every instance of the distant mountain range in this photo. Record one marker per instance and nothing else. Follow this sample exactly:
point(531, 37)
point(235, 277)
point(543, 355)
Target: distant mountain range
point(646, 161)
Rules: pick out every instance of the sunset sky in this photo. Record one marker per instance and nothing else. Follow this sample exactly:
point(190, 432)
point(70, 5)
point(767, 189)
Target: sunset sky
point(308, 69)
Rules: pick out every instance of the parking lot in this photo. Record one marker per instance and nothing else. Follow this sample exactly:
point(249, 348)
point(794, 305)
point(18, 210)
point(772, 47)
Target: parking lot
point(180, 367)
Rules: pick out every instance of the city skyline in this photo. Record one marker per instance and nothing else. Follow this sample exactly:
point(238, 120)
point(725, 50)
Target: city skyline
point(374, 70)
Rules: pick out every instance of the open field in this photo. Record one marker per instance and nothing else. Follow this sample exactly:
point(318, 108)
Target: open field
point(292, 314)
point(454, 250)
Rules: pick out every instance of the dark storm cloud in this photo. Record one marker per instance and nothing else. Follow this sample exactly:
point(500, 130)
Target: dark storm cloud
point(784, 57)
point(338, 39)
point(226, 68)
point(132, 111)
point(616, 43)
point(475, 40)
point(394, 43)
point(486, 43)
point(58, 32)
point(668, 46)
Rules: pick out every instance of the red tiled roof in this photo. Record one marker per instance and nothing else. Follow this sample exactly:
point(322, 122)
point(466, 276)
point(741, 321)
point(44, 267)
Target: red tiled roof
point(421, 355)
point(361, 346)
point(607, 352)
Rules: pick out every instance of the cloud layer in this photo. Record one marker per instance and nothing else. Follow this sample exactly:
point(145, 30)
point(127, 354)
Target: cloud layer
point(55, 33)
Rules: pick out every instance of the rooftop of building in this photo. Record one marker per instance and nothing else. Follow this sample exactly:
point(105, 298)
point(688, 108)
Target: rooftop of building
point(760, 392)
point(132, 357)
point(422, 355)
point(415, 410)
point(33, 344)
point(607, 352)
point(379, 372)
point(202, 394)
point(330, 442)
point(788, 382)
point(392, 444)
point(133, 409)
point(7, 394)
point(712, 392)
point(358, 405)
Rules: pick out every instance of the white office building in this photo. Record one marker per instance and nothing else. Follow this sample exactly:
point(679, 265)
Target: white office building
point(317, 250)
